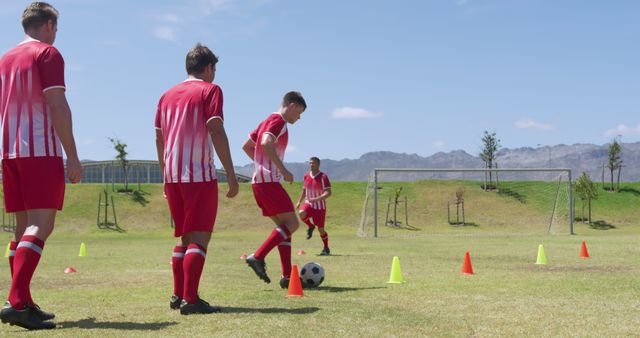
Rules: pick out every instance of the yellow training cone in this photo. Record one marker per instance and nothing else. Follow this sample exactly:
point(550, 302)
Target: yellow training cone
point(542, 258)
point(6, 253)
point(83, 250)
point(396, 274)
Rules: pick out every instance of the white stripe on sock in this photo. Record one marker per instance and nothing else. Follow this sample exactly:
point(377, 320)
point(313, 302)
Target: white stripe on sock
point(178, 254)
point(196, 251)
point(284, 244)
point(31, 246)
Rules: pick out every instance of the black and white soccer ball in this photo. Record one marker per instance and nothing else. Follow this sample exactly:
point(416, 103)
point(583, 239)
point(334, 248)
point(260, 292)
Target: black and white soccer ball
point(312, 275)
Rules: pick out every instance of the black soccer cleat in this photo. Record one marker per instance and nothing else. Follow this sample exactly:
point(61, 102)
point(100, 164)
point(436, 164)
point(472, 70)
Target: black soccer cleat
point(259, 267)
point(325, 252)
point(200, 307)
point(310, 232)
point(41, 314)
point(284, 283)
point(24, 318)
point(175, 302)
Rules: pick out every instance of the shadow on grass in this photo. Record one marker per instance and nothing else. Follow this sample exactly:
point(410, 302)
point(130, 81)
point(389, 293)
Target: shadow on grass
point(514, 194)
point(342, 288)
point(630, 190)
point(299, 311)
point(138, 197)
point(601, 225)
point(466, 224)
point(111, 226)
point(91, 323)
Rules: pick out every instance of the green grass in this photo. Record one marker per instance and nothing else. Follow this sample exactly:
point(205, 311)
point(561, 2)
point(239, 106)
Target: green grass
point(123, 286)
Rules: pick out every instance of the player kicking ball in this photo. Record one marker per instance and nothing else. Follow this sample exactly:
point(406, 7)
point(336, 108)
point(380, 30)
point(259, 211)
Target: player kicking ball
point(266, 146)
point(315, 191)
point(189, 125)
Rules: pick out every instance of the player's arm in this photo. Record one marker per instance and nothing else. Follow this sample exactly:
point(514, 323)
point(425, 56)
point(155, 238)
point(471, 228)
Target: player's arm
point(302, 194)
point(268, 144)
point(326, 194)
point(61, 120)
point(249, 148)
point(221, 143)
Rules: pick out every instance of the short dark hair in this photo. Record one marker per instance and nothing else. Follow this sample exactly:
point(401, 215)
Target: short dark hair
point(294, 97)
point(38, 14)
point(315, 159)
point(198, 58)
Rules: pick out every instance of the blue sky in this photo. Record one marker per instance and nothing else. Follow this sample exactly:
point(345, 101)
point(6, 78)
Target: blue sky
point(405, 76)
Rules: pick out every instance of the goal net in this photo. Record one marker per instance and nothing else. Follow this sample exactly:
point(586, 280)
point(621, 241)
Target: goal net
point(520, 201)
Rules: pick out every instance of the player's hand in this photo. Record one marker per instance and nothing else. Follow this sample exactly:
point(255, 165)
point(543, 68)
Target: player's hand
point(234, 187)
point(164, 191)
point(74, 170)
point(288, 177)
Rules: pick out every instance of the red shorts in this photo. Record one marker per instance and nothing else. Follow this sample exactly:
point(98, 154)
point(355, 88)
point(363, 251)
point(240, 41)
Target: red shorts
point(33, 183)
point(193, 206)
point(316, 214)
point(272, 198)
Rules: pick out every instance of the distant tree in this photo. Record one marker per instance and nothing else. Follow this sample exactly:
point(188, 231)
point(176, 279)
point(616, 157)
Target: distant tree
point(586, 190)
point(614, 159)
point(121, 156)
point(490, 144)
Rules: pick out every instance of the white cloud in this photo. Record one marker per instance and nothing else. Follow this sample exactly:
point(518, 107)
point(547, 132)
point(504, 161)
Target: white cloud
point(439, 143)
point(165, 33)
point(622, 129)
point(353, 113)
point(172, 18)
point(532, 124)
point(291, 149)
point(461, 2)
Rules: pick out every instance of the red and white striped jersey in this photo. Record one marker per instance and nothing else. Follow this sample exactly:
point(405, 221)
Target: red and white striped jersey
point(264, 170)
point(26, 72)
point(315, 186)
point(182, 116)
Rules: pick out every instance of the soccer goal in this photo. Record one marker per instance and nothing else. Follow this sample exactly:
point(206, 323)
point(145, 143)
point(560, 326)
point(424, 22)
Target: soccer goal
point(518, 201)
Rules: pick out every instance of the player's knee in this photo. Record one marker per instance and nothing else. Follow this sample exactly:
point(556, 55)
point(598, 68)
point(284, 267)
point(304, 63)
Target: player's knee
point(302, 214)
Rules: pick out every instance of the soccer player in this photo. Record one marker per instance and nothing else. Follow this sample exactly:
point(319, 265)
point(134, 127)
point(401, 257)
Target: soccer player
point(315, 191)
point(35, 126)
point(266, 146)
point(189, 124)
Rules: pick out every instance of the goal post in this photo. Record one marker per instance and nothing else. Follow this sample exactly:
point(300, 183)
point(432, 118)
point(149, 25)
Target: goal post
point(554, 194)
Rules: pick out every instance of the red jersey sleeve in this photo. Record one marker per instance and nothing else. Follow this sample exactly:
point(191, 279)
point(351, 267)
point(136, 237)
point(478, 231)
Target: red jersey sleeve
point(213, 104)
point(51, 67)
point(158, 122)
point(276, 126)
point(325, 182)
point(254, 136)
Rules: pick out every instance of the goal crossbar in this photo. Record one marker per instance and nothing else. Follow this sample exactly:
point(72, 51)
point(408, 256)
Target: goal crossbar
point(480, 170)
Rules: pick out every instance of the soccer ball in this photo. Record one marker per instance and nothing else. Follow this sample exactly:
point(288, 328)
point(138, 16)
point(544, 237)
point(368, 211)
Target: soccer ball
point(312, 275)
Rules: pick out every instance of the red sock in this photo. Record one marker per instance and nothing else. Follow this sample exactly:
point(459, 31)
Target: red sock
point(193, 264)
point(277, 235)
point(12, 252)
point(284, 248)
point(178, 273)
point(307, 221)
point(26, 260)
point(325, 240)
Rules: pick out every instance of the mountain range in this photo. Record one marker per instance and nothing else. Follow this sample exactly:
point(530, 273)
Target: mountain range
point(589, 158)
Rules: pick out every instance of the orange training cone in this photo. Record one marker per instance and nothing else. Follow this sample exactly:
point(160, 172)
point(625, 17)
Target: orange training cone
point(467, 269)
point(295, 287)
point(301, 252)
point(70, 270)
point(583, 252)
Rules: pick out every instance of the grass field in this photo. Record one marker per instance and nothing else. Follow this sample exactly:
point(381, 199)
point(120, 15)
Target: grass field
point(123, 285)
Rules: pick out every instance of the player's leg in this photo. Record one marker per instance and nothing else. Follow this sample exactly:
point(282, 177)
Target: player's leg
point(304, 215)
point(21, 226)
point(318, 218)
point(284, 247)
point(174, 199)
point(201, 205)
point(21, 310)
point(274, 201)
